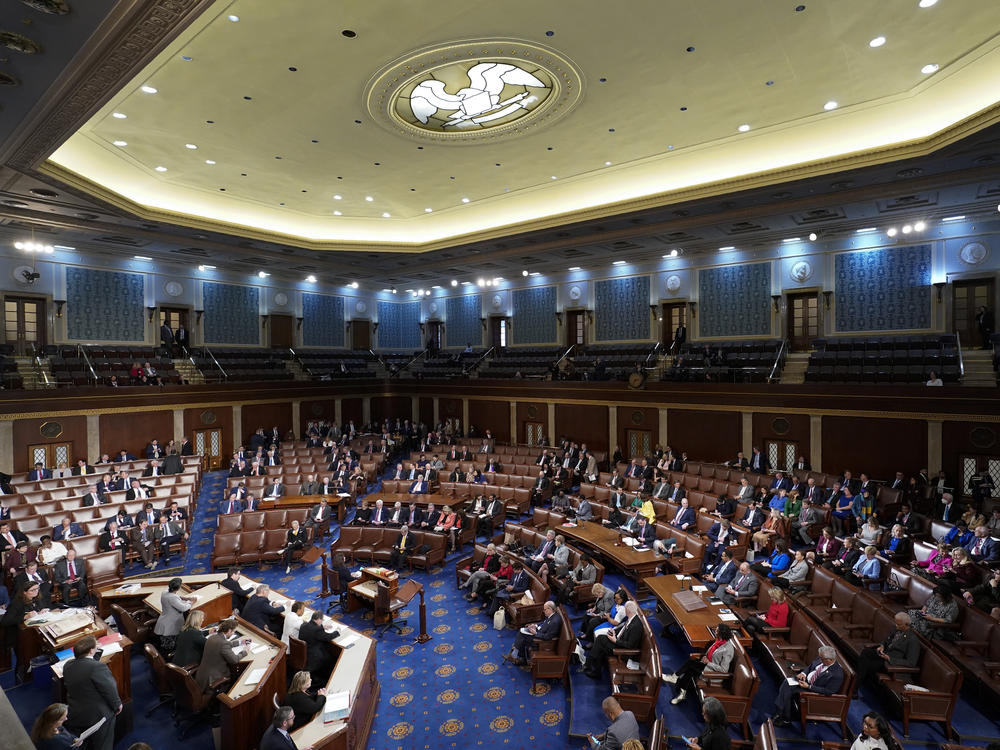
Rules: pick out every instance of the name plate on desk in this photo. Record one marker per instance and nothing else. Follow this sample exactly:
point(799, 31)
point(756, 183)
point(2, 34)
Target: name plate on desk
point(338, 706)
point(689, 600)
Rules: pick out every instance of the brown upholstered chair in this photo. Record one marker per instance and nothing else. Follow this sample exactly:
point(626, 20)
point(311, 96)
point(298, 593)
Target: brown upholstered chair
point(137, 626)
point(251, 545)
point(188, 696)
point(158, 674)
point(225, 551)
point(550, 660)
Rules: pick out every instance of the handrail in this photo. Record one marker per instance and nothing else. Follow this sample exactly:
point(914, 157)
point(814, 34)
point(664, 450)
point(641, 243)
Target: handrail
point(777, 359)
point(651, 353)
point(37, 362)
point(961, 361)
point(475, 365)
point(422, 353)
point(190, 358)
point(225, 375)
point(378, 358)
point(564, 355)
point(83, 353)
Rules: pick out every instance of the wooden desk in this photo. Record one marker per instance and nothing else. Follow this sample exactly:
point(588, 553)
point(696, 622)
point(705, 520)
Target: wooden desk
point(608, 543)
point(216, 604)
point(361, 591)
point(697, 625)
point(120, 664)
point(336, 502)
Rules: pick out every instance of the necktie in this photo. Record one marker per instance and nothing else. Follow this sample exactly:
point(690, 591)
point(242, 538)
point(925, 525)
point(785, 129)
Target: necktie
point(979, 546)
point(740, 582)
point(402, 543)
point(36, 578)
point(72, 570)
point(816, 673)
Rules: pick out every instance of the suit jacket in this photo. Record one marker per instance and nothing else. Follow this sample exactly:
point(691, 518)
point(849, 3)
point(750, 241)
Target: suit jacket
point(58, 532)
point(91, 692)
point(174, 609)
point(623, 728)
point(18, 537)
point(216, 660)
point(172, 464)
point(316, 640)
point(629, 633)
point(902, 648)
point(83, 470)
point(224, 506)
point(684, 516)
point(36, 475)
point(548, 629)
point(645, 534)
point(148, 471)
point(758, 463)
point(418, 488)
point(414, 517)
point(238, 591)
point(258, 611)
point(275, 490)
point(21, 579)
point(584, 511)
point(829, 682)
point(275, 740)
point(104, 541)
point(131, 494)
point(722, 657)
point(724, 576)
point(90, 499)
point(410, 541)
point(987, 552)
point(62, 570)
point(744, 586)
point(309, 488)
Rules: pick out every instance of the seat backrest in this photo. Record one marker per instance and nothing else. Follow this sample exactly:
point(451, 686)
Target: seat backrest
point(800, 629)
point(843, 595)
point(253, 540)
point(185, 689)
point(349, 536)
point(274, 519)
point(297, 659)
point(127, 622)
point(104, 567)
point(371, 536)
point(253, 520)
point(227, 523)
point(227, 543)
point(158, 667)
point(271, 540)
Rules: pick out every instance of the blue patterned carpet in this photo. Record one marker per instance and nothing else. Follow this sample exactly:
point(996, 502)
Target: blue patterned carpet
point(456, 690)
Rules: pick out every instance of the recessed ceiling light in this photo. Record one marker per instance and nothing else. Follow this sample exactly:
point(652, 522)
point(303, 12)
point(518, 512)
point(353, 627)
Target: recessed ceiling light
point(206, 268)
point(386, 215)
point(812, 236)
point(892, 232)
point(866, 230)
point(952, 218)
point(142, 257)
point(119, 115)
point(454, 282)
point(337, 197)
point(524, 273)
point(369, 198)
point(337, 213)
point(210, 161)
point(354, 285)
point(190, 146)
point(726, 248)
point(262, 274)
point(877, 41)
point(574, 268)
point(465, 200)
point(554, 177)
point(536, 273)
point(830, 105)
point(927, 3)
point(674, 253)
point(930, 68)
point(120, 143)
point(743, 128)
point(480, 282)
point(161, 169)
point(147, 89)
point(619, 262)
point(789, 240)
point(234, 19)
point(919, 226)
point(428, 210)
point(436, 286)
point(907, 229)
point(310, 279)
point(387, 290)
point(607, 164)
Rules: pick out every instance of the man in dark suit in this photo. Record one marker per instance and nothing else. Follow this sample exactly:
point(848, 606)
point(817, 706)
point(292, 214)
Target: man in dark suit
point(402, 548)
point(419, 486)
point(91, 694)
point(153, 470)
point(678, 493)
point(10, 537)
point(258, 610)
point(721, 575)
point(720, 535)
point(39, 473)
point(780, 482)
point(627, 635)
point(232, 582)
point(546, 630)
point(33, 574)
point(220, 654)
point(744, 583)
point(754, 517)
point(232, 505)
point(277, 736)
point(138, 491)
point(71, 574)
point(319, 657)
point(519, 583)
point(740, 462)
point(645, 534)
point(823, 676)
point(295, 538)
point(83, 469)
point(685, 517)
point(414, 516)
point(172, 464)
point(239, 469)
point(92, 498)
point(276, 490)
point(124, 455)
point(66, 530)
point(112, 538)
point(187, 448)
point(758, 462)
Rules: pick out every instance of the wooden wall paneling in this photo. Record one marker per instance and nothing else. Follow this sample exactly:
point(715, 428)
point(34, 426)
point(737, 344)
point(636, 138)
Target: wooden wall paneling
point(350, 408)
point(134, 431)
point(878, 447)
point(491, 415)
point(790, 427)
point(26, 432)
point(966, 439)
point(427, 411)
point(637, 418)
point(316, 409)
point(391, 407)
point(209, 417)
point(450, 408)
point(705, 435)
point(531, 411)
point(583, 424)
point(266, 416)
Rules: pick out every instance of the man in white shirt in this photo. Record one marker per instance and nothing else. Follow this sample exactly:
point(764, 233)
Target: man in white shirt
point(293, 621)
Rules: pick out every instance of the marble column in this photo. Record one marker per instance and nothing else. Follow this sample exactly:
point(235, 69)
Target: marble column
point(7, 444)
point(366, 410)
point(93, 438)
point(338, 411)
point(437, 412)
point(552, 424)
point(465, 415)
point(816, 442)
point(237, 427)
point(935, 446)
point(297, 418)
point(513, 423)
point(746, 437)
point(612, 430)
point(415, 410)
point(178, 424)
point(664, 439)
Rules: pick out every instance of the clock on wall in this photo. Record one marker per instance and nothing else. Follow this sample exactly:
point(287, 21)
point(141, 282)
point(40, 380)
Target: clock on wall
point(281, 299)
point(575, 293)
point(173, 288)
point(361, 307)
point(672, 283)
point(497, 300)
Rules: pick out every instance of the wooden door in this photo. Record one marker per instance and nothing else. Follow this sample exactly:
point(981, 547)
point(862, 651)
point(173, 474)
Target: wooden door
point(24, 323)
point(533, 433)
point(803, 320)
point(498, 332)
point(282, 331)
point(781, 454)
point(434, 334)
point(50, 454)
point(361, 335)
point(639, 443)
point(672, 316)
point(967, 298)
point(972, 465)
point(175, 317)
point(208, 444)
point(576, 327)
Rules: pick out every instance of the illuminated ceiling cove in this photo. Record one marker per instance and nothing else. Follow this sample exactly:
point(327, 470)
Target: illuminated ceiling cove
point(334, 125)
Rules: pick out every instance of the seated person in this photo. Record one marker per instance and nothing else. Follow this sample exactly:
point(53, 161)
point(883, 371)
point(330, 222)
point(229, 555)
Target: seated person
point(306, 706)
point(776, 563)
point(722, 573)
point(547, 630)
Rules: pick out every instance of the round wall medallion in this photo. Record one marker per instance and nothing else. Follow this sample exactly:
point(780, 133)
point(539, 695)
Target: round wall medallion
point(473, 91)
point(575, 293)
point(50, 429)
point(361, 307)
point(208, 417)
point(25, 275)
point(780, 426)
point(173, 288)
point(983, 437)
point(532, 412)
point(281, 299)
point(801, 271)
point(672, 283)
point(637, 417)
point(433, 307)
point(497, 300)
point(317, 409)
point(973, 253)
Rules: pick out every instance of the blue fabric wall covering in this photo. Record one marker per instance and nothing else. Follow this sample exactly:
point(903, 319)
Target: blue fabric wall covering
point(232, 314)
point(399, 325)
point(621, 309)
point(104, 305)
point(887, 289)
point(735, 300)
point(322, 320)
point(462, 324)
point(534, 319)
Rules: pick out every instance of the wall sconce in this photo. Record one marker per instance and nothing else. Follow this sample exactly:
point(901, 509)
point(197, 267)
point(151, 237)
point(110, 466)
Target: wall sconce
point(263, 321)
point(693, 307)
point(59, 307)
point(590, 317)
point(299, 326)
point(483, 321)
point(776, 300)
point(827, 296)
point(940, 285)
point(198, 314)
point(559, 317)
point(374, 326)
point(653, 309)
point(152, 312)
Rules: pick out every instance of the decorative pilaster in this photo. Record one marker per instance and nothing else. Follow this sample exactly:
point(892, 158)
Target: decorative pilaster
point(93, 438)
point(816, 442)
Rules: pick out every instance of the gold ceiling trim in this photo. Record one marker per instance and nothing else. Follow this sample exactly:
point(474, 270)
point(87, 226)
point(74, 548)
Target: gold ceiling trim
point(873, 157)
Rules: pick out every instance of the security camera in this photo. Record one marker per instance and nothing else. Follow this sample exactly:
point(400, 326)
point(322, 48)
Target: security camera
point(30, 276)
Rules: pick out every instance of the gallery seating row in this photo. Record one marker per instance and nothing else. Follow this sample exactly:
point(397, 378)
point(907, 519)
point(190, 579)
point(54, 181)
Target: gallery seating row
point(374, 545)
point(520, 611)
point(253, 547)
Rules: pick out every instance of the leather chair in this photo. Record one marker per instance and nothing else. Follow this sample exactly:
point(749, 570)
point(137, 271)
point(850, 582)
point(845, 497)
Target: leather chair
point(274, 519)
point(251, 545)
point(228, 523)
point(297, 656)
point(272, 545)
point(644, 679)
point(350, 536)
point(253, 520)
point(433, 556)
point(225, 551)
point(519, 614)
point(188, 696)
point(104, 568)
point(158, 674)
point(658, 734)
point(388, 606)
point(737, 698)
point(137, 626)
point(371, 539)
point(942, 681)
point(550, 660)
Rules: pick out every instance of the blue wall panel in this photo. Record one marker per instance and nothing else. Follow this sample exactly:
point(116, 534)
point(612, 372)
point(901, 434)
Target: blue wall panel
point(887, 289)
point(232, 314)
point(621, 309)
point(735, 300)
point(104, 305)
point(399, 325)
point(534, 318)
point(462, 324)
point(322, 320)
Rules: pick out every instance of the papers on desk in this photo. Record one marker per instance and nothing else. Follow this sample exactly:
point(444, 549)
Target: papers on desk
point(356, 574)
point(688, 555)
point(126, 587)
point(111, 648)
point(259, 647)
point(699, 589)
point(90, 730)
point(343, 494)
point(256, 675)
point(569, 525)
point(346, 641)
point(629, 541)
point(525, 631)
point(728, 618)
point(338, 706)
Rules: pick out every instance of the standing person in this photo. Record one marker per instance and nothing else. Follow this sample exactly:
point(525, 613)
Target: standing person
point(714, 737)
point(91, 694)
point(169, 623)
point(48, 732)
point(984, 321)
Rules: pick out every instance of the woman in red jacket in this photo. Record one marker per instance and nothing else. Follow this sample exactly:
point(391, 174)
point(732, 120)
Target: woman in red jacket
point(775, 617)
